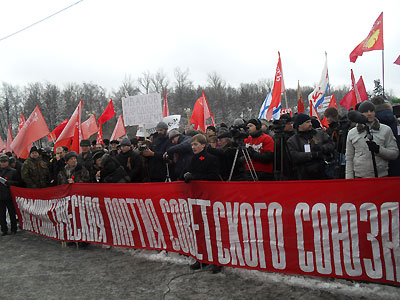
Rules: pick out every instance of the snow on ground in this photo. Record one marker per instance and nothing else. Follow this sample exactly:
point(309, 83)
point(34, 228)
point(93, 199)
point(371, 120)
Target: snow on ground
point(340, 286)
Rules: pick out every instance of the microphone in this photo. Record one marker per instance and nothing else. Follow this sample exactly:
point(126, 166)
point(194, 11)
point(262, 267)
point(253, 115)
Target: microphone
point(357, 117)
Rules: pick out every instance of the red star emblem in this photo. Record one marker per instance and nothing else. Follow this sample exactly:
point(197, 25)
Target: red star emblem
point(201, 157)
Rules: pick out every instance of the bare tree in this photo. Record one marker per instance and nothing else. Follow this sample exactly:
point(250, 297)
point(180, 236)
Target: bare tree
point(145, 82)
point(160, 82)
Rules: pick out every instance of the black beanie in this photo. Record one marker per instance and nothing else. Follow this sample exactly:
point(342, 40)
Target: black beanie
point(366, 106)
point(300, 119)
point(34, 149)
point(255, 122)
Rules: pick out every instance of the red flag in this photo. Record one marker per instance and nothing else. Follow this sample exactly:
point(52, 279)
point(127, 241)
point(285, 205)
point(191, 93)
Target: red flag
point(119, 129)
point(52, 137)
point(89, 127)
point(356, 93)
point(21, 123)
point(2, 145)
point(108, 113)
point(99, 136)
point(9, 139)
point(277, 89)
point(34, 129)
point(374, 40)
point(207, 111)
point(397, 61)
point(300, 101)
point(165, 108)
point(69, 132)
point(201, 113)
point(350, 98)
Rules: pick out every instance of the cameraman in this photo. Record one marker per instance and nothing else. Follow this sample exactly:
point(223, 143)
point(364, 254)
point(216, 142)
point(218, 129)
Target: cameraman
point(283, 130)
point(359, 149)
point(261, 151)
point(154, 154)
point(226, 156)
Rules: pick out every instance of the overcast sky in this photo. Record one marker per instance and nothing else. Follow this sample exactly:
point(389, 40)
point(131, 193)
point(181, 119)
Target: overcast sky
point(102, 41)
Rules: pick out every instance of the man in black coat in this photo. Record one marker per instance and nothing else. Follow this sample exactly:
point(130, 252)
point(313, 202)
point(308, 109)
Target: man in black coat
point(156, 162)
point(8, 176)
point(131, 161)
point(85, 157)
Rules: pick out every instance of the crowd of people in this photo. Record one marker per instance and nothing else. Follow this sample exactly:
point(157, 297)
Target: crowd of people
point(366, 145)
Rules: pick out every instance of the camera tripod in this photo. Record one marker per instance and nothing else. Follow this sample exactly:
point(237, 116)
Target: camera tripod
point(249, 163)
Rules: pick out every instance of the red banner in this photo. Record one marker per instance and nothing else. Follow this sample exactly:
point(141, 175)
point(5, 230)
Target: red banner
point(335, 228)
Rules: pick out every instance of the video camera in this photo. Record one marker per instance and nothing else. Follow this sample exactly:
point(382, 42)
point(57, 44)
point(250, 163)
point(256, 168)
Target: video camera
point(239, 132)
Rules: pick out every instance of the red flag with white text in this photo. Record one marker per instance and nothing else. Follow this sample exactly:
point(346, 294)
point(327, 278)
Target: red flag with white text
point(21, 123)
point(34, 129)
point(277, 89)
point(99, 139)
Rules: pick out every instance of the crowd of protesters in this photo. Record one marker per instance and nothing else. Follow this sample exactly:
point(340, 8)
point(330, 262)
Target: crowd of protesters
point(295, 148)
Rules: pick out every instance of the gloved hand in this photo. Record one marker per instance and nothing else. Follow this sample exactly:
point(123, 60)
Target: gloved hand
point(188, 176)
point(316, 155)
point(372, 146)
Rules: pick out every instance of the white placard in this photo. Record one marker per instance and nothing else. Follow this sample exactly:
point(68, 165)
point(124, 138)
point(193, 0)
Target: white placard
point(172, 122)
point(324, 105)
point(142, 109)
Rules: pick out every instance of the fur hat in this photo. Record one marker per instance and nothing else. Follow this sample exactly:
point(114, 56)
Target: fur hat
point(84, 143)
point(300, 119)
point(98, 154)
point(255, 122)
point(69, 155)
point(366, 106)
point(126, 142)
point(162, 125)
point(4, 158)
point(173, 133)
point(34, 149)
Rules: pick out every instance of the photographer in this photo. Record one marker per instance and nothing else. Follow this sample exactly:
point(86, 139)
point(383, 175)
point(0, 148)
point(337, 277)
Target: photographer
point(261, 151)
point(359, 147)
point(8, 176)
point(309, 149)
point(154, 154)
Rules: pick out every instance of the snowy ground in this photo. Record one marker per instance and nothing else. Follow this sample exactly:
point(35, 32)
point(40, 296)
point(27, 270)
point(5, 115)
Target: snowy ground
point(34, 267)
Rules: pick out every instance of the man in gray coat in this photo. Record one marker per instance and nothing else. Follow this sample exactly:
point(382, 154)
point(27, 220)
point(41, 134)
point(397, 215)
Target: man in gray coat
point(359, 147)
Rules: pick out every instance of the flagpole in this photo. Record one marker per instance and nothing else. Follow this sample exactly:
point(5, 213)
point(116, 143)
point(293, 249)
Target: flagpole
point(383, 73)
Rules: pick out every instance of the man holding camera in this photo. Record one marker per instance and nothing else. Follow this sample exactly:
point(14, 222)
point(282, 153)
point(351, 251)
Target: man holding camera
point(362, 147)
point(8, 176)
point(156, 163)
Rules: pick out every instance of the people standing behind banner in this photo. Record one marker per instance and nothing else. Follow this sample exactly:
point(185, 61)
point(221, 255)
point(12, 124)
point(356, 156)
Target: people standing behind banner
point(260, 147)
point(57, 164)
point(8, 177)
point(34, 172)
point(114, 148)
point(225, 154)
point(283, 130)
point(85, 157)
point(359, 148)
point(384, 113)
point(157, 168)
point(73, 172)
point(131, 161)
point(309, 149)
point(111, 171)
point(17, 165)
point(337, 131)
point(203, 166)
point(179, 152)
